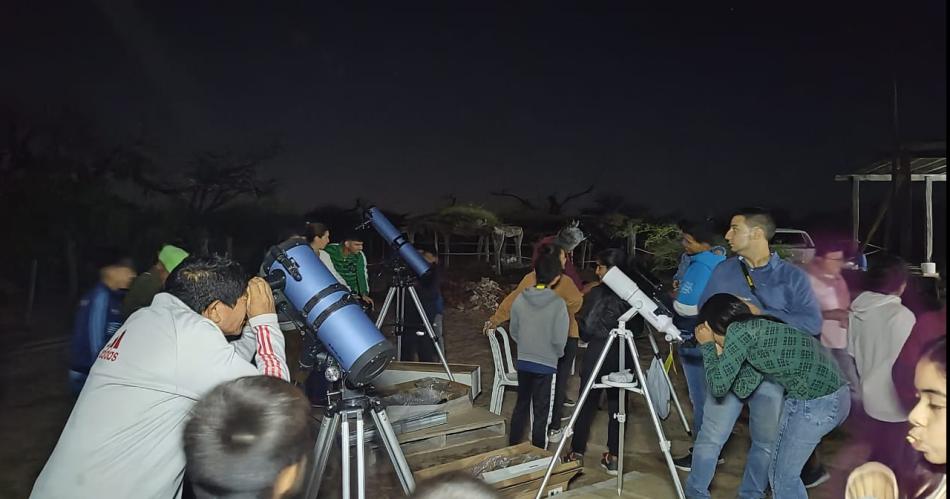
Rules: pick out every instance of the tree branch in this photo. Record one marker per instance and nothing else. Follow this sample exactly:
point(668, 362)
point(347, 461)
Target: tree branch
point(523, 201)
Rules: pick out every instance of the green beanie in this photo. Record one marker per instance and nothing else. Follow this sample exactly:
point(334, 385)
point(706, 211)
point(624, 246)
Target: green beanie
point(170, 256)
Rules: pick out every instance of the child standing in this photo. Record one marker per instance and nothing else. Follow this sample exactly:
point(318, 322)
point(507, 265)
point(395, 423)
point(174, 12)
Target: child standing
point(539, 324)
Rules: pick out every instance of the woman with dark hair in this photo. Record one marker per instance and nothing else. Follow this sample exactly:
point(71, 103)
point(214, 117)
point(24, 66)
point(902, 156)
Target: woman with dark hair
point(923, 473)
point(597, 317)
point(318, 237)
point(741, 349)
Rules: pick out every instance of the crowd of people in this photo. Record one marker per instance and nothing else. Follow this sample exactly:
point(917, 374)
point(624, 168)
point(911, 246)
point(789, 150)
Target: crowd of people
point(785, 340)
point(184, 378)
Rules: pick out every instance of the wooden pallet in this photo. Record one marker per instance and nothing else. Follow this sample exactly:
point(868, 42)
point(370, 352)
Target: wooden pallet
point(463, 429)
point(523, 486)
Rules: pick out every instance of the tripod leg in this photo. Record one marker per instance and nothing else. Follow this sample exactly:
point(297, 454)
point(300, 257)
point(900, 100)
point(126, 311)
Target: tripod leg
point(435, 341)
point(321, 451)
point(345, 454)
point(664, 443)
point(400, 323)
point(391, 443)
point(577, 411)
point(360, 458)
point(385, 308)
point(669, 382)
point(621, 420)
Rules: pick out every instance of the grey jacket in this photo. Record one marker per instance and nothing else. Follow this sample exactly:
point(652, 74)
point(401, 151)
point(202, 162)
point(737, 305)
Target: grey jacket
point(124, 436)
point(539, 324)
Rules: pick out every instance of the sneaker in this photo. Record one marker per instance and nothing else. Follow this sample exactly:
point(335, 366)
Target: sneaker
point(685, 463)
point(555, 435)
point(815, 477)
point(609, 463)
point(573, 456)
point(569, 403)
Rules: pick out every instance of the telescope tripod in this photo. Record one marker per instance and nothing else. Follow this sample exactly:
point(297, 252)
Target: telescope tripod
point(400, 286)
point(352, 406)
point(621, 333)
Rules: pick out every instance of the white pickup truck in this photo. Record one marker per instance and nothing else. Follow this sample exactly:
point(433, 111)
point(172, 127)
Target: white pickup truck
point(796, 244)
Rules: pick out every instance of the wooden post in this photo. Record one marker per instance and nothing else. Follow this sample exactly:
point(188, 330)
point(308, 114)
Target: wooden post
point(929, 201)
point(855, 209)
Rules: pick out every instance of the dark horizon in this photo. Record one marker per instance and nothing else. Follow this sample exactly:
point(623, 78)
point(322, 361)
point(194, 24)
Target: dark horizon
point(736, 103)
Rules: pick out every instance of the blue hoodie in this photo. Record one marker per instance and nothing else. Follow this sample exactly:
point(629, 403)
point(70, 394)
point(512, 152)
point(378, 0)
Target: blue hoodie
point(784, 287)
point(98, 317)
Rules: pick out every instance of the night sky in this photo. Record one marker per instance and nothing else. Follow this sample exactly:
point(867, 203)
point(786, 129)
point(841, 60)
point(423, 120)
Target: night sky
point(729, 104)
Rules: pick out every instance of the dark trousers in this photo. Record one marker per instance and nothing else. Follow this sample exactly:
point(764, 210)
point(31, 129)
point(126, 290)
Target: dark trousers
point(560, 389)
point(590, 407)
point(534, 390)
point(417, 347)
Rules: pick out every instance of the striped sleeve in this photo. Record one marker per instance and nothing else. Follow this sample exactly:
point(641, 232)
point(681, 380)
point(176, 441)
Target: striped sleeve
point(270, 359)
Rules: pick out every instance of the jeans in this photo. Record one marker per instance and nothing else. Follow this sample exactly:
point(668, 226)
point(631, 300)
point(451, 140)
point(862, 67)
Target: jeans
point(719, 417)
point(691, 358)
point(534, 390)
point(560, 389)
point(803, 424)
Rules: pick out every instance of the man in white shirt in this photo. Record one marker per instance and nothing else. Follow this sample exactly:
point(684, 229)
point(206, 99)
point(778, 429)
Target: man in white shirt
point(879, 324)
point(124, 436)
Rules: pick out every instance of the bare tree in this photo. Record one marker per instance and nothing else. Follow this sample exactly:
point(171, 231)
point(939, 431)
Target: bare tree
point(555, 205)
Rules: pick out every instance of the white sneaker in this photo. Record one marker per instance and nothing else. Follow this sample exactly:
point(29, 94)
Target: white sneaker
point(555, 435)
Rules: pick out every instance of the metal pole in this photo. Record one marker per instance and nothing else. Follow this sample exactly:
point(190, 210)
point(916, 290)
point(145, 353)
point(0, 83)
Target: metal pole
point(929, 201)
point(360, 458)
point(345, 453)
point(621, 415)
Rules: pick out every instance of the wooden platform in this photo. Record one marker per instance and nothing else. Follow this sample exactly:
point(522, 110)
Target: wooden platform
point(522, 486)
point(466, 431)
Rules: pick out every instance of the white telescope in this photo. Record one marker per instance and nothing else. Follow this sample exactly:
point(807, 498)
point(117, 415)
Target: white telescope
point(642, 304)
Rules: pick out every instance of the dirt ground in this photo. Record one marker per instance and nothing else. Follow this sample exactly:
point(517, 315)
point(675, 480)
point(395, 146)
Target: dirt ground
point(34, 405)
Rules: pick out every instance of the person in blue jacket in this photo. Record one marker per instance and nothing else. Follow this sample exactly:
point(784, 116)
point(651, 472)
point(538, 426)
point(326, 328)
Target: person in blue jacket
point(702, 255)
point(99, 315)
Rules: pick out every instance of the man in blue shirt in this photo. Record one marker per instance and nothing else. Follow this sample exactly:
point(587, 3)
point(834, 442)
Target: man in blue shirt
point(771, 286)
point(99, 316)
point(701, 257)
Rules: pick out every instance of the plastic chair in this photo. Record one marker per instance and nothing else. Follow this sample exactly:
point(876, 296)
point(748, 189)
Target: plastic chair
point(505, 373)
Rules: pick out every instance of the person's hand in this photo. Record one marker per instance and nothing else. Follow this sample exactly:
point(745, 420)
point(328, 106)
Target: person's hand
point(871, 481)
point(703, 334)
point(488, 327)
point(260, 298)
point(676, 286)
point(753, 307)
point(369, 301)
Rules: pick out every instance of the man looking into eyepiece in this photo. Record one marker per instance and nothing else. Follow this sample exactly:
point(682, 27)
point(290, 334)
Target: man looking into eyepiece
point(124, 436)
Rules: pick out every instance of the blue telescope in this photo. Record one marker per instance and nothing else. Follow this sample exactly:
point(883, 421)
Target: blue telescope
point(329, 310)
point(398, 241)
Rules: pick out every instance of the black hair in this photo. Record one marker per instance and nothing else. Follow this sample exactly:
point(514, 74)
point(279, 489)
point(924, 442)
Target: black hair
point(758, 217)
point(243, 433)
point(936, 352)
point(313, 230)
point(548, 265)
point(612, 257)
point(354, 235)
point(455, 485)
point(887, 275)
point(722, 310)
point(825, 246)
point(200, 281)
point(110, 256)
point(704, 231)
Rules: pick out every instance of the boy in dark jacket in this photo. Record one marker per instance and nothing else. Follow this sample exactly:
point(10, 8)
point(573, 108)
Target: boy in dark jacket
point(539, 325)
point(598, 316)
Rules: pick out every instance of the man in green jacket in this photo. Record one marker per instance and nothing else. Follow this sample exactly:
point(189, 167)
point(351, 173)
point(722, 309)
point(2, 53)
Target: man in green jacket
point(350, 262)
